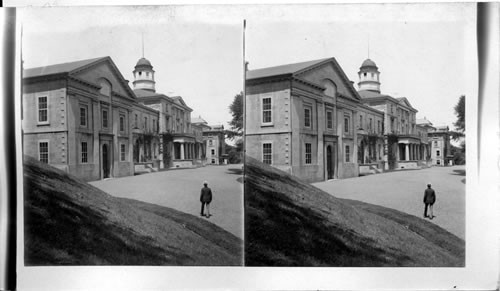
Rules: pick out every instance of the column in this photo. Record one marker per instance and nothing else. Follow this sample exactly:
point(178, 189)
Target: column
point(407, 152)
point(182, 150)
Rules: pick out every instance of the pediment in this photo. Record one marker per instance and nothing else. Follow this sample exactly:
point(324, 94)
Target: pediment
point(330, 70)
point(105, 69)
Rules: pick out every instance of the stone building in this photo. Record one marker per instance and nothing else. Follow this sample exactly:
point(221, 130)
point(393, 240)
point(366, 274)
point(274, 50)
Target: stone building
point(301, 118)
point(307, 119)
point(180, 145)
point(440, 146)
point(214, 140)
point(82, 117)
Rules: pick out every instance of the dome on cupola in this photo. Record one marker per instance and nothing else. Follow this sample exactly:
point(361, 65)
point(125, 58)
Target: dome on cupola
point(143, 62)
point(368, 63)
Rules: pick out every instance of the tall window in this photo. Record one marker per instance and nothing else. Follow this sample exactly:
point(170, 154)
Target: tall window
point(136, 125)
point(145, 123)
point(105, 118)
point(361, 121)
point(438, 153)
point(83, 115)
point(85, 158)
point(43, 114)
point(267, 110)
point(308, 153)
point(122, 123)
point(122, 152)
point(378, 126)
point(347, 153)
point(370, 126)
point(43, 151)
point(329, 119)
point(307, 116)
point(267, 153)
point(346, 124)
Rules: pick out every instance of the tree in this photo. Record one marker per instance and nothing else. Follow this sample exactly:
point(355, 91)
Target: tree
point(460, 123)
point(236, 123)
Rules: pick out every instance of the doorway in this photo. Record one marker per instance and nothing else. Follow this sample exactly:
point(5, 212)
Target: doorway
point(329, 162)
point(105, 161)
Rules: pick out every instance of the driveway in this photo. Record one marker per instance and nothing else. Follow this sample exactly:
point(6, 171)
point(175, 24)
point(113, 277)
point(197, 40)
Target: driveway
point(404, 190)
point(180, 189)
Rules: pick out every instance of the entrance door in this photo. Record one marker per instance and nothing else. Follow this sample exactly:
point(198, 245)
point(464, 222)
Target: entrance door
point(105, 161)
point(329, 162)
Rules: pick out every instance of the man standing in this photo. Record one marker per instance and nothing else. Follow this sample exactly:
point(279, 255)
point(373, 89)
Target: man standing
point(205, 198)
point(429, 199)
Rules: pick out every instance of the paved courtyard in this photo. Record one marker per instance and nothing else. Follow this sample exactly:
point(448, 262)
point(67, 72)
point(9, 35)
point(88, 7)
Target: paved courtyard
point(180, 189)
point(404, 190)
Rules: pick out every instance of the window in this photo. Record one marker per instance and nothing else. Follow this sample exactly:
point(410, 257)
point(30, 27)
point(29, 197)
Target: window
point(210, 142)
point(43, 151)
point(144, 126)
point(347, 154)
point(370, 126)
point(438, 153)
point(329, 119)
point(83, 115)
point(267, 110)
point(136, 125)
point(307, 116)
point(308, 153)
point(267, 153)
point(154, 125)
point(122, 123)
point(213, 152)
point(438, 162)
point(361, 121)
point(43, 114)
point(213, 161)
point(105, 118)
point(435, 143)
point(346, 124)
point(85, 158)
point(122, 152)
point(378, 126)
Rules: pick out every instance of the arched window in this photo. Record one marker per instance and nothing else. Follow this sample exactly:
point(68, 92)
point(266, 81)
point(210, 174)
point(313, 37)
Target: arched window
point(105, 87)
point(331, 88)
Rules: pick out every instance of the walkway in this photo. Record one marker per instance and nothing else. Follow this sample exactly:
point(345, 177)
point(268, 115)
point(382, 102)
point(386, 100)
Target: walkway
point(404, 190)
point(180, 189)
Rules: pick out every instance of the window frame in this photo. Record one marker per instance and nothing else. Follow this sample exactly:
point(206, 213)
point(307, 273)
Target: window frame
point(269, 110)
point(40, 153)
point(329, 119)
point(121, 123)
point(105, 125)
point(347, 124)
point(46, 109)
point(308, 117)
point(84, 159)
point(267, 156)
point(347, 153)
point(85, 117)
point(123, 152)
point(308, 153)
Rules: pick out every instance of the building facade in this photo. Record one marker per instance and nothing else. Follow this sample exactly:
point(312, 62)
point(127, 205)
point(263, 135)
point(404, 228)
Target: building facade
point(83, 117)
point(440, 146)
point(307, 119)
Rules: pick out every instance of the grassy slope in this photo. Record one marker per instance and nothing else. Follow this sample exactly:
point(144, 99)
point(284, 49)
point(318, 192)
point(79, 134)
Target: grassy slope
point(292, 223)
point(69, 222)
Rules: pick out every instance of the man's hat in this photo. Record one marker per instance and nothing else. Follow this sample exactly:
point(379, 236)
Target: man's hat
point(428, 184)
point(205, 183)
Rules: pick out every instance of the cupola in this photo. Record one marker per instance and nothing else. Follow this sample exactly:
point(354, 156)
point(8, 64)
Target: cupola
point(369, 76)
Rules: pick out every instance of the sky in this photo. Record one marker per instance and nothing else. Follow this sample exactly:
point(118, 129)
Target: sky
point(425, 52)
point(196, 52)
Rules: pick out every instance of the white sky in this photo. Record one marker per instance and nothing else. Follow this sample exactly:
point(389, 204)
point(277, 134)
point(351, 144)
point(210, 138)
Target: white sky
point(425, 52)
point(420, 49)
point(198, 58)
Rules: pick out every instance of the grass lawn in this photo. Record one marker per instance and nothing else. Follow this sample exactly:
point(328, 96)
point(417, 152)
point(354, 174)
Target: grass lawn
point(69, 222)
point(291, 223)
